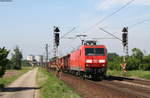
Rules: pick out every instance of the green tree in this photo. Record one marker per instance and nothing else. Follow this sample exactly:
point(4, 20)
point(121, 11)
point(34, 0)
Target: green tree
point(133, 63)
point(112, 56)
point(17, 58)
point(114, 61)
point(146, 63)
point(137, 61)
point(3, 60)
point(138, 55)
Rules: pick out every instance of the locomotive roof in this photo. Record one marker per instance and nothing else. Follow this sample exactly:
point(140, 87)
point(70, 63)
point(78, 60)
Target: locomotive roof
point(92, 46)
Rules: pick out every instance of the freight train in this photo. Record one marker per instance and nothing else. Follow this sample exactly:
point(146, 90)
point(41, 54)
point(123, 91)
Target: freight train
point(90, 60)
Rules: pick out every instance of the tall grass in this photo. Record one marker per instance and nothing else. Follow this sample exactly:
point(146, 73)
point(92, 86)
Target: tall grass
point(134, 73)
point(52, 87)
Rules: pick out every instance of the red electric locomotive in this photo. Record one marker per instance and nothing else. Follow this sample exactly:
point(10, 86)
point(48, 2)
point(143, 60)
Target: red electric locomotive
point(89, 60)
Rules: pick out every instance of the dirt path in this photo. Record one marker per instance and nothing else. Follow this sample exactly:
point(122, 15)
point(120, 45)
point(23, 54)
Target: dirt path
point(23, 87)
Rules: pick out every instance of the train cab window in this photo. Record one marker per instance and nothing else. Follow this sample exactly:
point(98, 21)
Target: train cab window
point(99, 51)
point(89, 51)
point(94, 51)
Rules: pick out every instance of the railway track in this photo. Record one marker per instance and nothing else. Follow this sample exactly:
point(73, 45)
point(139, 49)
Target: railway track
point(133, 80)
point(134, 89)
point(120, 86)
point(137, 87)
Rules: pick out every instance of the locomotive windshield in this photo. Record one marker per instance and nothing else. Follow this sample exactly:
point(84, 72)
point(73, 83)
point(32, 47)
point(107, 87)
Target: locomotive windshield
point(94, 51)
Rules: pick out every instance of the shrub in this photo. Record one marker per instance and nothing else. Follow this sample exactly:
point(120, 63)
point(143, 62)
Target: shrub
point(3, 60)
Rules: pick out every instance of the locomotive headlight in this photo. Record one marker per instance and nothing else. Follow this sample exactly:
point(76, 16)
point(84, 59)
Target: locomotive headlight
point(88, 61)
point(101, 61)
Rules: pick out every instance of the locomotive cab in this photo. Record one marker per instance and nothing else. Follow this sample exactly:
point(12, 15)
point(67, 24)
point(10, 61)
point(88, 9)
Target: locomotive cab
point(89, 60)
point(95, 59)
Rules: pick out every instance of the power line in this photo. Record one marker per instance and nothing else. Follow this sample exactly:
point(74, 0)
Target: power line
point(115, 12)
point(138, 23)
point(103, 38)
point(68, 32)
point(111, 14)
point(110, 34)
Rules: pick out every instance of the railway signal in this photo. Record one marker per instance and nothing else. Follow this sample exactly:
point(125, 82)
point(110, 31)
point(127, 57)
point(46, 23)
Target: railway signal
point(125, 40)
point(56, 29)
point(125, 36)
point(56, 34)
point(56, 41)
point(125, 48)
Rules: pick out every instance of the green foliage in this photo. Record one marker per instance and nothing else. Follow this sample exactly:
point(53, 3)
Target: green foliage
point(133, 64)
point(112, 56)
point(3, 60)
point(145, 65)
point(137, 61)
point(114, 61)
point(133, 73)
point(137, 53)
point(16, 58)
point(25, 63)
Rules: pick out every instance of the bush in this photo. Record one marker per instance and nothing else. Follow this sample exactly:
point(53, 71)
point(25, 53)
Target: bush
point(145, 66)
point(133, 64)
point(114, 63)
point(3, 60)
point(137, 61)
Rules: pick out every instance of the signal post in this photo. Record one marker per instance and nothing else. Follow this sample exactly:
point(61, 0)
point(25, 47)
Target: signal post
point(125, 48)
point(55, 50)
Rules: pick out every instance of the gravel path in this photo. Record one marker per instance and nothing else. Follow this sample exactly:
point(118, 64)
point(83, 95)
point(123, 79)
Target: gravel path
point(23, 87)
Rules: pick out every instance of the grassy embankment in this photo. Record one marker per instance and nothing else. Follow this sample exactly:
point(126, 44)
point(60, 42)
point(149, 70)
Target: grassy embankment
point(8, 79)
point(52, 87)
point(134, 73)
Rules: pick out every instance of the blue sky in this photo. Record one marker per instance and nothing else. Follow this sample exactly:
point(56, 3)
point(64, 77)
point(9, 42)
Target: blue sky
point(29, 23)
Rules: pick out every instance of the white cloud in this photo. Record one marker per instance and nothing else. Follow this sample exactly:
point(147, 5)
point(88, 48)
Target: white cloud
point(109, 4)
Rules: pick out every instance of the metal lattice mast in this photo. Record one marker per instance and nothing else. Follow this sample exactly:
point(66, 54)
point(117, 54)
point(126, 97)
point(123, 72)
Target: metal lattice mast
point(46, 60)
point(127, 53)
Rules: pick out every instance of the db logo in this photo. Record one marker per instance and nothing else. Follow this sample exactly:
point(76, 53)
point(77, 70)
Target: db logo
point(95, 61)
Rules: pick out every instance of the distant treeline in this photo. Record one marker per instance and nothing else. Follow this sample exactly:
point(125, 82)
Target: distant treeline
point(136, 61)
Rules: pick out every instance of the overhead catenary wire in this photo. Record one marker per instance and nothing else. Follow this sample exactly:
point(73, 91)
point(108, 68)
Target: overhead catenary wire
point(113, 13)
point(140, 22)
point(136, 24)
point(110, 34)
point(68, 32)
